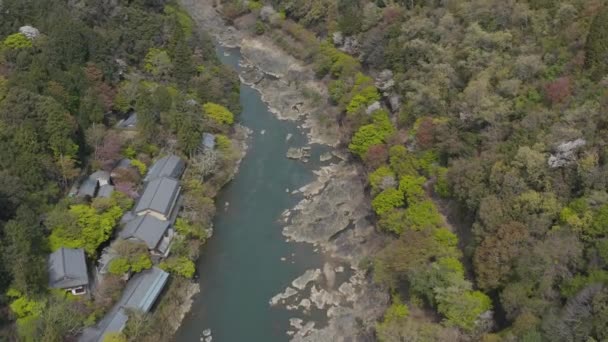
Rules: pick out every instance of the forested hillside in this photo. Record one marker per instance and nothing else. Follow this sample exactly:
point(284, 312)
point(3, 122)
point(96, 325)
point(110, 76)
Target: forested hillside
point(69, 71)
point(489, 112)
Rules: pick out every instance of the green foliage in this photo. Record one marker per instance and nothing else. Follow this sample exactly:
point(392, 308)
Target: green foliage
point(17, 41)
point(115, 337)
point(180, 266)
point(446, 238)
point(157, 62)
point(189, 230)
point(387, 200)
point(402, 161)
point(596, 47)
point(441, 187)
point(570, 288)
point(397, 311)
point(413, 188)
point(372, 134)
point(185, 22)
point(141, 167)
point(218, 113)
point(82, 226)
point(393, 221)
point(333, 61)
point(255, 5)
point(22, 306)
point(119, 266)
point(380, 176)
point(223, 143)
point(462, 308)
point(366, 97)
point(3, 88)
point(337, 91)
point(422, 215)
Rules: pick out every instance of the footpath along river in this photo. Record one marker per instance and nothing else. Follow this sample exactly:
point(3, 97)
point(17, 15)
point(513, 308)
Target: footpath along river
point(241, 266)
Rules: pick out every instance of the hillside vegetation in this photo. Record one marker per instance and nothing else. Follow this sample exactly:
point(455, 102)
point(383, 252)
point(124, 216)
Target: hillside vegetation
point(65, 82)
point(497, 108)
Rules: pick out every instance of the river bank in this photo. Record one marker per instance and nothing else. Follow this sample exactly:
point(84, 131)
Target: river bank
point(332, 211)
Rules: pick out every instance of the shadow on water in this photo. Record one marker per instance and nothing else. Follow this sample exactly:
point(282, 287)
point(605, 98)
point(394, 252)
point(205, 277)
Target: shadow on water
point(240, 267)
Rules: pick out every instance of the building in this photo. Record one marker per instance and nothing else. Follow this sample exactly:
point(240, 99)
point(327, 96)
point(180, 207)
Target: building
point(159, 198)
point(98, 184)
point(130, 123)
point(68, 270)
point(156, 234)
point(88, 188)
point(208, 141)
point(105, 191)
point(102, 177)
point(169, 166)
point(140, 294)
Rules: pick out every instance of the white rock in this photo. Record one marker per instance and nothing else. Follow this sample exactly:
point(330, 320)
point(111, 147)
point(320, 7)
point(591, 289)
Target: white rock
point(325, 157)
point(338, 38)
point(305, 303)
point(296, 323)
point(373, 107)
point(303, 280)
point(339, 269)
point(207, 332)
point(262, 132)
point(283, 258)
point(289, 292)
point(209, 339)
point(289, 135)
point(565, 153)
point(29, 31)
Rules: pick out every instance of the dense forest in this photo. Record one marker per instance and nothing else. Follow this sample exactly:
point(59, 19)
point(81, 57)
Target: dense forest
point(494, 118)
point(69, 71)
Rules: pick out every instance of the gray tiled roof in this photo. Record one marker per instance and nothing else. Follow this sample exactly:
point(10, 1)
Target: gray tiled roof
point(87, 188)
point(140, 294)
point(67, 268)
point(128, 123)
point(144, 288)
point(208, 141)
point(105, 191)
point(169, 166)
point(145, 228)
point(159, 196)
point(100, 175)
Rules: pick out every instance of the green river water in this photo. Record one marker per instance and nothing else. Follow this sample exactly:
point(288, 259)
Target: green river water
point(240, 267)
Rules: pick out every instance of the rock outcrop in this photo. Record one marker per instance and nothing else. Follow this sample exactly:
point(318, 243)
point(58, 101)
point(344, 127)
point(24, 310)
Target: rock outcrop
point(565, 153)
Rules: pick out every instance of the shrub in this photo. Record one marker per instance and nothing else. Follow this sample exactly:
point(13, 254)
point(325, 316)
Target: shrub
point(17, 41)
point(218, 113)
point(180, 266)
point(387, 200)
point(378, 177)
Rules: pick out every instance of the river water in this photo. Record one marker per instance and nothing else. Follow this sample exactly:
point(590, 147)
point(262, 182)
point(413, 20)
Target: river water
point(240, 267)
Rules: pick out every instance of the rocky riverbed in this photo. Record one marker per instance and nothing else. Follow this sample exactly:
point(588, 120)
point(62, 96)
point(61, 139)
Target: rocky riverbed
point(337, 302)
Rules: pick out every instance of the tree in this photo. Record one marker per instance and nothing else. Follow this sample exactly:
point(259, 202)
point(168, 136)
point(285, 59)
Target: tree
point(218, 113)
point(596, 48)
point(180, 266)
point(386, 200)
point(147, 115)
point(373, 134)
point(494, 258)
point(24, 252)
point(381, 179)
point(462, 308)
point(402, 161)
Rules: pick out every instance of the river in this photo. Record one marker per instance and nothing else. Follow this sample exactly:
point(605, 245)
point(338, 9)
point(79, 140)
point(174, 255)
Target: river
point(241, 266)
